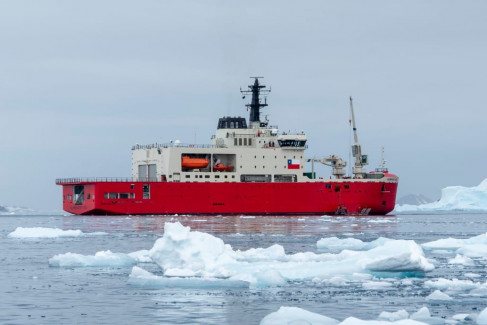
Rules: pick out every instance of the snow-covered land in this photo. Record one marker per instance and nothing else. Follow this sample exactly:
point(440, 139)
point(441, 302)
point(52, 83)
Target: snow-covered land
point(41, 232)
point(454, 198)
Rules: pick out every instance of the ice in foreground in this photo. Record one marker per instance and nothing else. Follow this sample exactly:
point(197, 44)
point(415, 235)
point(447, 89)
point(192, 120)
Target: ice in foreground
point(103, 258)
point(185, 253)
point(456, 198)
point(41, 232)
point(294, 315)
point(470, 247)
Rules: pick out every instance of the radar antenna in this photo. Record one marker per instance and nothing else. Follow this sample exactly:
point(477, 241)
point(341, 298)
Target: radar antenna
point(255, 105)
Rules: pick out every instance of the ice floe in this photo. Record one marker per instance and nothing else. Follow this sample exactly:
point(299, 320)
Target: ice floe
point(394, 316)
point(103, 258)
point(185, 253)
point(41, 232)
point(482, 318)
point(437, 295)
point(295, 315)
point(143, 278)
point(470, 247)
point(454, 198)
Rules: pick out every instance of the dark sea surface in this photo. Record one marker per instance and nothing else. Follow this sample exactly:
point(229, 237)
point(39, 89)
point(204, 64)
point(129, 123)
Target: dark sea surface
point(32, 292)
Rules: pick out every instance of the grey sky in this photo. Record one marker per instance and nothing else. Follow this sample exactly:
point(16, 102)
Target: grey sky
point(81, 82)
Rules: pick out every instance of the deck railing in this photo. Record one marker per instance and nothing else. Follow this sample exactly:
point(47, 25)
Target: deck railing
point(104, 179)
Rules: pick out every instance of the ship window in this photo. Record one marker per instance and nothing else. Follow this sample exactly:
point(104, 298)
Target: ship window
point(226, 176)
point(217, 176)
point(69, 197)
point(245, 141)
point(383, 202)
point(235, 141)
point(233, 176)
point(132, 195)
point(207, 176)
point(124, 195)
point(132, 186)
point(328, 186)
point(346, 186)
point(170, 176)
point(88, 196)
point(250, 142)
point(188, 176)
point(146, 191)
point(113, 195)
point(240, 141)
point(105, 196)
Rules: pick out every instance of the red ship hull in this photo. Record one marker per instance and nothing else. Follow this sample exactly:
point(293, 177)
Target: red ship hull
point(127, 198)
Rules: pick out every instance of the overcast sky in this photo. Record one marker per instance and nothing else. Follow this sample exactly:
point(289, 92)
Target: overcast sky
point(83, 81)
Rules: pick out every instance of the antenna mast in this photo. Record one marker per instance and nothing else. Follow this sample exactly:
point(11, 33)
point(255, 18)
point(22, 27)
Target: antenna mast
point(255, 105)
point(360, 160)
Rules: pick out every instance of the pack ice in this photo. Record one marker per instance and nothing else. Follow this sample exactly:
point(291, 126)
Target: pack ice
point(457, 198)
point(41, 232)
point(185, 253)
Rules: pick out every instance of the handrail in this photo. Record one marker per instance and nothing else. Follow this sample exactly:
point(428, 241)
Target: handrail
point(74, 180)
point(171, 145)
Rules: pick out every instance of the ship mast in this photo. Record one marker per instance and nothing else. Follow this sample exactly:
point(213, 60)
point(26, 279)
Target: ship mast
point(360, 160)
point(255, 105)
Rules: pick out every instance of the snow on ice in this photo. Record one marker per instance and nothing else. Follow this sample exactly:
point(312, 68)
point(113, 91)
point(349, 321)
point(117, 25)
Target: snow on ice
point(470, 247)
point(41, 232)
point(454, 198)
point(185, 253)
point(103, 258)
point(295, 315)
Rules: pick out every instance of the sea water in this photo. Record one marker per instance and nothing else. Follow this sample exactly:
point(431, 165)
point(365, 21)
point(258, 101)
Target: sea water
point(35, 290)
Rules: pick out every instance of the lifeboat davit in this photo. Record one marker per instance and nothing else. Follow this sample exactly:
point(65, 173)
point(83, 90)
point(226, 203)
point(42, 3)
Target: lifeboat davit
point(222, 168)
point(188, 162)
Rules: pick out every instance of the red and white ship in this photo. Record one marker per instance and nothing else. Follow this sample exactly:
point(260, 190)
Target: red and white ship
point(247, 169)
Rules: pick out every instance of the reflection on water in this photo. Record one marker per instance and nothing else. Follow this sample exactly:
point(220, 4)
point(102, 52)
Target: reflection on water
point(270, 225)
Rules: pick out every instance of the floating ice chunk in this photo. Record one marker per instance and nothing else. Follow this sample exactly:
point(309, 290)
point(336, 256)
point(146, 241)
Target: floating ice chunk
point(423, 315)
point(295, 315)
point(356, 321)
point(337, 244)
point(377, 285)
point(477, 250)
point(461, 317)
point(41, 232)
point(143, 278)
point(141, 256)
point(482, 318)
point(452, 285)
point(398, 255)
point(181, 252)
point(455, 198)
point(472, 275)
point(454, 243)
point(462, 260)
point(437, 295)
point(274, 252)
point(398, 315)
point(181, 249)
point(103, 258)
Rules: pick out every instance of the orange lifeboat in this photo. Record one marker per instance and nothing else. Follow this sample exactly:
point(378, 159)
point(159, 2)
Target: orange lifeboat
point(188, 162)
point(222, 168)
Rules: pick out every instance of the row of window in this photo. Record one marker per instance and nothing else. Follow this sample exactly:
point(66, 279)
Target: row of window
point(208, 176)
point(119, 195)
point(242, 141)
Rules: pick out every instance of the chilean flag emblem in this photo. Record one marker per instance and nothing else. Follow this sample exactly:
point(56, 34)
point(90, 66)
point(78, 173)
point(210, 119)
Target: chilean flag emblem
point(293, 163)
